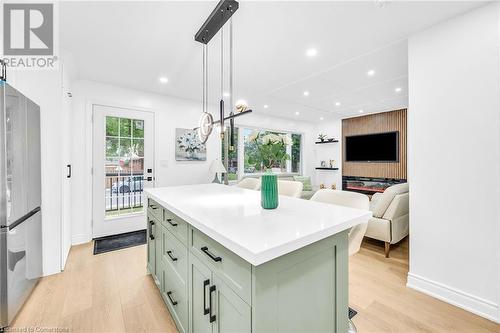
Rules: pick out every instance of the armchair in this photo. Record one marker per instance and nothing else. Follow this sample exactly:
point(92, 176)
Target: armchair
point(390, 221)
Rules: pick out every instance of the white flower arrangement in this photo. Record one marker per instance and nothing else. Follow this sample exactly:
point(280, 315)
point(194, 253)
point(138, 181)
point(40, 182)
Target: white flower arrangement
point(189, 142)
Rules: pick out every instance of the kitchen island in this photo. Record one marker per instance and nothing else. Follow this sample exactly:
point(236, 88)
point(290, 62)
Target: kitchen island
point(224, 264)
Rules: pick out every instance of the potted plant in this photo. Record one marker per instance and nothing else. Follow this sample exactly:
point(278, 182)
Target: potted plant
point(322, 137)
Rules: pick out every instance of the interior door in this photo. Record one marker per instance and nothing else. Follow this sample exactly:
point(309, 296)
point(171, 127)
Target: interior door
point(123, 149)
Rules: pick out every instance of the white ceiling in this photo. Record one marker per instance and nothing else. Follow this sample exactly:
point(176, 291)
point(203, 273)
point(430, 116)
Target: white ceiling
point(132, 44)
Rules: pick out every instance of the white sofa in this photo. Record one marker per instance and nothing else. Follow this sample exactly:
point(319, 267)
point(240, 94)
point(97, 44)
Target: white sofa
point(390, 216)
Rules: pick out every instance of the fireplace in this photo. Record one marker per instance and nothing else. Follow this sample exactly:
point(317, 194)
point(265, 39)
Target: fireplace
point(368, 185)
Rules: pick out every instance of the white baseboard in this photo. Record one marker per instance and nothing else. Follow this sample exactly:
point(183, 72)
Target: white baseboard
point(476, 305)
point(80, 239)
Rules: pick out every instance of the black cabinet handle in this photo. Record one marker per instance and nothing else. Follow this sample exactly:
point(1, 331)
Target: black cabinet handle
point(214, 258)
point(171, 256)
point(212, 316)
point(205, 309)
point(169, 295)
point(173, 224)
point(151, 224)
point(153, 207)
point(69, 171)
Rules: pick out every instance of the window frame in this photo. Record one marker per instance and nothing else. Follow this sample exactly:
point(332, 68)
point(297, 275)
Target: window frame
point(241, 151)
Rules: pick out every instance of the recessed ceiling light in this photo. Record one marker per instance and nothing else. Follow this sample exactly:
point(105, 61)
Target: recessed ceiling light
point(266, 106)
point(311, 52)
point(321, 118)
point(226, 94)
point(306, 93)
point(163, 80)
point(297, 113)
point(371, 72)
point(337, 103)
point(398, 89)
point(361, 111)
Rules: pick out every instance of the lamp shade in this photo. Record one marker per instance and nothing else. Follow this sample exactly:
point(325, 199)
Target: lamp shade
point(217, 166)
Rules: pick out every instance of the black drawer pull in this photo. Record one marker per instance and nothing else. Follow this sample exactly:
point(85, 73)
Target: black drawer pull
point(151, 223)
point(153, 207)
point(171, 256)
point(212, 316)
point(205, 309)
point(214, 258)
point(173, 224)
point(169, 295)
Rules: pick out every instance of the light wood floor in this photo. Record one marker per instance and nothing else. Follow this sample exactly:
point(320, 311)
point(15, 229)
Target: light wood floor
point(112, 293)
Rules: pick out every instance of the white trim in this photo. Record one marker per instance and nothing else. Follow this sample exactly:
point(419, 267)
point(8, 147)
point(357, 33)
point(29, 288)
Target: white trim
point(468, 302)
point(80, 239)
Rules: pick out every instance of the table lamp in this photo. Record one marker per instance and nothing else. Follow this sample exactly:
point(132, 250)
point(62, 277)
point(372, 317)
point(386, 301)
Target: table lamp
point(216, 166)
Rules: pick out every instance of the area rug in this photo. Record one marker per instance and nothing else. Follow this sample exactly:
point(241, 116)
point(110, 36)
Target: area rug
point(121, 241)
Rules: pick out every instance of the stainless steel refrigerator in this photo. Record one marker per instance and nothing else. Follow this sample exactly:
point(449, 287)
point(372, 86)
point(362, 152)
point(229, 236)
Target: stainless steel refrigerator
point(20, 201)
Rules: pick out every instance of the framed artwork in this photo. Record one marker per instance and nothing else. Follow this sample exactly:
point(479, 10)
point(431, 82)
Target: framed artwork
point(188, 146)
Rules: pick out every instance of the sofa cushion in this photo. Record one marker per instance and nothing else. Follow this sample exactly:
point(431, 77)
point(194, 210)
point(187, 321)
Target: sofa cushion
point(305, 180)
point(384, 200)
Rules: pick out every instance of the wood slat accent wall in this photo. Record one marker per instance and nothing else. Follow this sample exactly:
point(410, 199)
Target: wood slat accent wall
point(377, 123)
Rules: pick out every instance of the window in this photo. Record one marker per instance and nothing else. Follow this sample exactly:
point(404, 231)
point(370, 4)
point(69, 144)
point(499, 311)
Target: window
point(256, 150)
point(232, 170)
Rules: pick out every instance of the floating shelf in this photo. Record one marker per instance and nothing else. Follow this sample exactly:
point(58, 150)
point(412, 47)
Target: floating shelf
point(323, 142)
point(325, 168)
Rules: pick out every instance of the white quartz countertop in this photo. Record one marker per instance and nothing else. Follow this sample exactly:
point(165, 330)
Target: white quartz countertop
point(233, 217)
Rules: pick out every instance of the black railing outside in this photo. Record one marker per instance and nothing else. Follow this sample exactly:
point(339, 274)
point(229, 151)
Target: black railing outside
point(124, 192)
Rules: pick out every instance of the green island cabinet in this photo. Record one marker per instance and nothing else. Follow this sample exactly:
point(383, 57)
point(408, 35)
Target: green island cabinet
point(207, 288)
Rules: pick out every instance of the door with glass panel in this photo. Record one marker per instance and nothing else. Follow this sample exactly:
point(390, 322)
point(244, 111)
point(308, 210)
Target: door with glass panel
point(123, 166)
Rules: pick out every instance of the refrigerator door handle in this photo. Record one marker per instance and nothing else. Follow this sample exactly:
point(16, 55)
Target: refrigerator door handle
point(24, 218)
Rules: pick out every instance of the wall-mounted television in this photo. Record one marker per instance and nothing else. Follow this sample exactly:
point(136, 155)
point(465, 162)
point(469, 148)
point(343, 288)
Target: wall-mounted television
point(379, 147)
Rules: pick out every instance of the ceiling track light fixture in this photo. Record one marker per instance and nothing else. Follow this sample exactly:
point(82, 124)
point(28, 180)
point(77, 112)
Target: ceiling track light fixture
point(222, 13)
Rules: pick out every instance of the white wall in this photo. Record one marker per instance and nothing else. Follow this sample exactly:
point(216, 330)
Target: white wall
point(170, 113)
point(326, 152)
point(454, 161)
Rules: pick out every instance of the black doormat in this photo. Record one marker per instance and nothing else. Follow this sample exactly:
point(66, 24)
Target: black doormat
point(121, 241)
point(352, 313)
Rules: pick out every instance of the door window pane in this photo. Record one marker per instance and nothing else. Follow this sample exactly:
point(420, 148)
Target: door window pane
point(112, 126)
point(124, 166)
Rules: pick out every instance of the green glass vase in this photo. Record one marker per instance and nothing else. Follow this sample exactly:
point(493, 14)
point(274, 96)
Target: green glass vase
point(269, 191)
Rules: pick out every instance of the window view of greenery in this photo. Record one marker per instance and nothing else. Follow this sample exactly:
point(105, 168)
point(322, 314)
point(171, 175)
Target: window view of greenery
point(265, 150)
point(296, 144)
point(232, 172)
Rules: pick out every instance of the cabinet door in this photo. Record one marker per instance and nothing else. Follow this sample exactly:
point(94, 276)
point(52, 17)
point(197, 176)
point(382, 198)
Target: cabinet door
point(200, 281)
point(158, 239)
point(151, 247)
point(233, 315)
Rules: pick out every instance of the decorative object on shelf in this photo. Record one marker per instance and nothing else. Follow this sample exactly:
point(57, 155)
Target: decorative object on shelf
point(334, 186)
point(332, 140)
point(322, 186)
point(332, 163)
point(270, 149)
point(215, 167)
point(323, 164)
point(188, 146)
point(269, 191)
point(322, 137)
